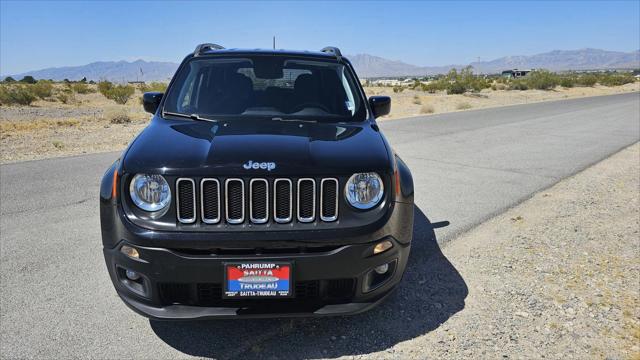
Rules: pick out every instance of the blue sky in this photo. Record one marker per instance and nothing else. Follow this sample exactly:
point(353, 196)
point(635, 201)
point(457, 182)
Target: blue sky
point(36, 35)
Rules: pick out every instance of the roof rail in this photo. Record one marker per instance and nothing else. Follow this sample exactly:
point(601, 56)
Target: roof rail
point(332, 50)
point(203, 47)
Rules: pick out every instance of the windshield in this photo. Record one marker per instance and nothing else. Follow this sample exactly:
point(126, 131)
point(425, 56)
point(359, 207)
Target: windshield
point(266, 86)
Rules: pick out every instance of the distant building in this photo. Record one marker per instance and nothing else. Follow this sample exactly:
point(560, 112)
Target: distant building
point(515, 73)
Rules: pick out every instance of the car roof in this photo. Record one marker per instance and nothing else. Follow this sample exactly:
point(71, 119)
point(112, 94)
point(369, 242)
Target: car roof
point(301, 53)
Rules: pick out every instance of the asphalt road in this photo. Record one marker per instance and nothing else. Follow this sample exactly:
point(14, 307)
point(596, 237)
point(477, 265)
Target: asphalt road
point(57, 300)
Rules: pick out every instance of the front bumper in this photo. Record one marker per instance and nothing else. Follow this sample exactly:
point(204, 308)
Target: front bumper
point(181, 285)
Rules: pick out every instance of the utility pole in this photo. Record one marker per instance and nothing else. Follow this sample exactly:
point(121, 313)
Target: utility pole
point(274, 42)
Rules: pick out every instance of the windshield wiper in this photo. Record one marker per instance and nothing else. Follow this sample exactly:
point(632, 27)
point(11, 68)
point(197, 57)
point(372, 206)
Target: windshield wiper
point(189, 116)
point(292, 120)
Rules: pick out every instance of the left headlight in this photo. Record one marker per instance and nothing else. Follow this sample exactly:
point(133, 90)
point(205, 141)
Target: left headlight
point(364, 190)
point(150, 192)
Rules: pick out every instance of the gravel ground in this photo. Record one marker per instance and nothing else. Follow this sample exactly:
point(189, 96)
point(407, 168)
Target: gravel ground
point(555, 277)
point(26, 113)
point(51, 129)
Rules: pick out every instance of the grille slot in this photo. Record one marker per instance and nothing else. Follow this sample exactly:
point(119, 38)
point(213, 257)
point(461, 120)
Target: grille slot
point(234, 201)
point(340, 288)
point(306, 200)
point(329, 199)
point(210, 201)
point(186, 200)
point(259, 201)
point(282, 200)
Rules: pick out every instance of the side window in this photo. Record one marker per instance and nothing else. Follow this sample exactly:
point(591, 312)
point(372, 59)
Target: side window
point(185, 97)
point(350, 102)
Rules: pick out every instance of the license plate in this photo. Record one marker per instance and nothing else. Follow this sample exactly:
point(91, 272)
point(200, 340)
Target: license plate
point(257, 280)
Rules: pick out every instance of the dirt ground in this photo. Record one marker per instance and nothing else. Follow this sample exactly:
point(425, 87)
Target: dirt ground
point(414, 103)
point(51, 129)
point(555, 277)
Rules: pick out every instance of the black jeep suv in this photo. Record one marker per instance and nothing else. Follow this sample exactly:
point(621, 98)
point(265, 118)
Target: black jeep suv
point(261, 187)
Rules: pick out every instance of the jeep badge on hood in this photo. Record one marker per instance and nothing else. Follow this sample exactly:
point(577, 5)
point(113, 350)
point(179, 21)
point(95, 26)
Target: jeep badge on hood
point(259, 165)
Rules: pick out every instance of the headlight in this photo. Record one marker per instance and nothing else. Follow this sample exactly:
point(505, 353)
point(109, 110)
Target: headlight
point(364, 190)
point(150, 192)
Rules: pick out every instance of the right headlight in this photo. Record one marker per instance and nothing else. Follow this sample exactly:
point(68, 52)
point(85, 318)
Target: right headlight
point(364, 190)
point(150, 192)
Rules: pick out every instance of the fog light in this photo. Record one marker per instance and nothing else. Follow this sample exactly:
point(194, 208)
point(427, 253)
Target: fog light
point(382, 247)
point(381, 269)
point(132, 275)
point(130, 251)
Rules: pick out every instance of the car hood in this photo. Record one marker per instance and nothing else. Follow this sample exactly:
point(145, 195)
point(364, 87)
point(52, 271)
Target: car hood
point(202, 148)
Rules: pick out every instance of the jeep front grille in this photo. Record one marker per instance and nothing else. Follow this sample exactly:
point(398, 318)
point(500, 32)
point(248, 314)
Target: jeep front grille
point(258, 200)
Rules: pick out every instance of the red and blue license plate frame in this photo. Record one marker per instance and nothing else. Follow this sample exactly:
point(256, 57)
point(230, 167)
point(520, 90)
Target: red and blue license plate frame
point(258, 280)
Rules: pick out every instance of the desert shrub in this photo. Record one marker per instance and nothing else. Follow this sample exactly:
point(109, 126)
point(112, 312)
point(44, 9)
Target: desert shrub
point(28, 80)
point(158, 86)
point(57, 144)
point(587, 80)
point(398, 89)
point(463, 106)
point(518, 85)
point(427, 109)
point(117, 116)
point(121, 93)
point(433, 86)
point(118, 93)
point(542, 80)
point(63, 97)
point(65, 94)
point(153, 86)
point(616, 79)
point(9, 79)
point(456, 88)
point(104, 87)
point(42, 89)
point(567, 81)
point(417, 100)
point(458, 82)
point(16, 95)
point(470, 81)
point(81, 88)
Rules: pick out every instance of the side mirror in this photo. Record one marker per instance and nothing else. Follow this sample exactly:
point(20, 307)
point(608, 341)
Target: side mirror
point(151, 101)
point(381, 105)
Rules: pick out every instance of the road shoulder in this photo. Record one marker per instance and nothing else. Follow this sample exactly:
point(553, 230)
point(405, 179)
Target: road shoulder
point(556, 276)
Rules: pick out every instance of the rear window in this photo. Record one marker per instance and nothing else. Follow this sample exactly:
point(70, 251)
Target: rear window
point(266, 86)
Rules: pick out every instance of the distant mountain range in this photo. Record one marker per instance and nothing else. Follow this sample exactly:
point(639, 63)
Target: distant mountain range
point(367, 66)
point(119, 71)
point(557, 60)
